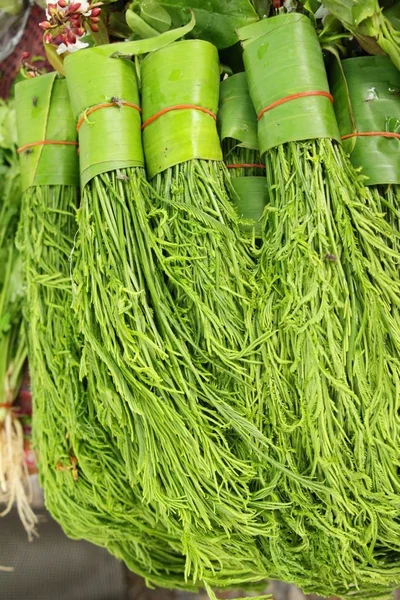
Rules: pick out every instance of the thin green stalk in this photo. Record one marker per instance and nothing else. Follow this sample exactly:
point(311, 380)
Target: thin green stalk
point(81, 470)
point(163, 293)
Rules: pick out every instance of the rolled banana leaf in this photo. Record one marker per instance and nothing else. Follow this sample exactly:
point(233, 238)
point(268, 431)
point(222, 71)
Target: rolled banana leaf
point(367, 100)
point(109, 138)
point(252, 197)
point(185, 134)
point(95, 78)
point(237, 123)
point(285, 50)
point(236, 117)
point(43, 114)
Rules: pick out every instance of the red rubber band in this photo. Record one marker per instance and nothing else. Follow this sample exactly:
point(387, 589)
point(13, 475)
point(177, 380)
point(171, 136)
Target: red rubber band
point(164, 111)
point(295, 97)
point(387, 134)
point(6, 405)
point(46, 143)
point(246, 166)
point(93, 109)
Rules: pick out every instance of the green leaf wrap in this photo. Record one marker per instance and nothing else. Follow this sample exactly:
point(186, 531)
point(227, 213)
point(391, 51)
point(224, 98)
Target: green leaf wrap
point(366, 92)
point(110, 139)
point(282, 57)
point(252, 197)
point(237, 118)
point(185, 72)
point(44, 113)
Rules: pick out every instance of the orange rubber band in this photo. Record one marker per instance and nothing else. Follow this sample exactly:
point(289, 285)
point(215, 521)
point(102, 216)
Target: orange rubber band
point(46, 143)
point(164, 111)
point(246, 166)
point(93, 109)
point(387, 134)
point(295, 97)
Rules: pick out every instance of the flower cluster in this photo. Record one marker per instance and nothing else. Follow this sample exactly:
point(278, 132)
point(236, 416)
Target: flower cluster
point(68, 21)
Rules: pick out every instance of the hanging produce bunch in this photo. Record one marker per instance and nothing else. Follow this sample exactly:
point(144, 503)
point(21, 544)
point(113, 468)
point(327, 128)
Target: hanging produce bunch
point(329, 297)
point(211, 265)
point(81, 470)
point(14, 480)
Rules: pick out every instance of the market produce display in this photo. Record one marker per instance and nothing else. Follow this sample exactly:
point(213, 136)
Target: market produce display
point(213, 317)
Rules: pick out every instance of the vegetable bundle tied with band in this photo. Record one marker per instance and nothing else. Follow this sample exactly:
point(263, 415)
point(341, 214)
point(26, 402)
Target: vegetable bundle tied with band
point(329, 295)
point(367, 105)
point(162, 290)
point(81, 470)
point(237, 122)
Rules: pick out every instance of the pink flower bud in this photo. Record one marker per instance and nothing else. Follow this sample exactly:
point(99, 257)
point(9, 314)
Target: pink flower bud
point(62, 3)
point(45, 25)
point(25, 55)
point(94, 27)
point(47, 38)
point(73, 8)
point(95, 19)
point(71, 38)
point(95, 12)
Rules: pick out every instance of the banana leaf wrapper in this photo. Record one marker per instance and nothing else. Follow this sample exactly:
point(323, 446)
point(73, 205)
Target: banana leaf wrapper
point(237, 122)
point(236, 117)
point(186, 72)
point(367, 99)
point(283, 57)
point(109, 139)
point(43, 113)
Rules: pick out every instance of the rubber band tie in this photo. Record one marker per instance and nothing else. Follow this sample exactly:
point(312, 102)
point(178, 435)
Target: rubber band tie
point(164, 111)
point(46, 143)
point(93, 109)
point(295, 97)
point(387, 134)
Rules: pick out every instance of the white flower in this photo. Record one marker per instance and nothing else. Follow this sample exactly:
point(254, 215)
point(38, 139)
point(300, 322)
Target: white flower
point(85, 8)
point(78, 45)
point(290, 5)
point(322, 12)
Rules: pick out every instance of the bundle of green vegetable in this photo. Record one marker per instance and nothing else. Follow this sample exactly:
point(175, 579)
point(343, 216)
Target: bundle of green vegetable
point(162, 293)
point(14, 482)
point(329, 296)
point(82, 472)
point(367, 104)
point(237, 122)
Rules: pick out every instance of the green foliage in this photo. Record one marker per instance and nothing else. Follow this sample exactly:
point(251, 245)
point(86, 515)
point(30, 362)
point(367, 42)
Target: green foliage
point(373, 29)
point(216, 20)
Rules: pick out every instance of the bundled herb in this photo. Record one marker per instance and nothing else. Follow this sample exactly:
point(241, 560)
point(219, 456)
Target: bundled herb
point(14, 480)
point(177, 398)
point(237, 122)
point(328, 304)
point(81, 470)
point(367, 104)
